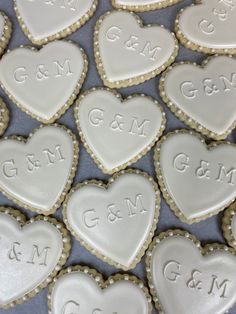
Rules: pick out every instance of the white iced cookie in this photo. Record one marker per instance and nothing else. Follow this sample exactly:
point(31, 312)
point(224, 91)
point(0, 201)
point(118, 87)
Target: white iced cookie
point(128, 53)
point(5, 31)
point(208, 26)
point(80, 289)
point(229, 225)
point(44, 83)
point(196, 180)
point(46, 20)
point(203, 96)
point(116, 131)
point(187, 278)
point(107, 213)
point(31, 254)
point(142, 5)
point(37, 173)
point(4, 116)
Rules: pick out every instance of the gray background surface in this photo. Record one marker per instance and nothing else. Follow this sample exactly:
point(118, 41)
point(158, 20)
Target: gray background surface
point(21, 124)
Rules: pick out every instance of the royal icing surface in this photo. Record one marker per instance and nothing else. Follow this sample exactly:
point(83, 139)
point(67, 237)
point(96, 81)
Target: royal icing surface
point(107, 214)
point(144, 51)
point(44, 20)
point(57, 72)
point(30, 255)
point(84, 291)
point(197, 181)
point(37, 174)
point(208, 26)
point(118, 132)
point(185, 281)
point(203, 97)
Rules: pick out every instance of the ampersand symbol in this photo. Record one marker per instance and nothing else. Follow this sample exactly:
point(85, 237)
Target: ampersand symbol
point(132, 42)
point(31, 163)
point(117, 124)
point(221, 13)
point(194, 283)
point(42, 73)
point(113, 215)
point(209, 87)
point(203, 171)
point(13, 254)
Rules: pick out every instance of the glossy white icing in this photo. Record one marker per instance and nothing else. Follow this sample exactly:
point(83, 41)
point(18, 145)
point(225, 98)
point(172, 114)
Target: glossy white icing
point(141, 50)
point(118, 132)
point(35, 173)
point(210, 24)
point(42, 82)
point(187, 282)
point(78, 292)
point(206, 95)
point(28, 256)
point(45, 18)
point(199, 180)
point(102, 218)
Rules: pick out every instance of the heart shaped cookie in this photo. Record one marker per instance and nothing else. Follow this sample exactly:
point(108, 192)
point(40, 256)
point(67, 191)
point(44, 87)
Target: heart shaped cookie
point(229, 225)
point(130, 201)
point(81, 289)
point(203, 97)
point(46, 20)
point(196, 180)
point(5, 31)
point(188, 279)
point(118, 132)
point(4, 116)
point(57, 72)
point(37, 173)
point(143, 52)
point(142, 5)
point(208, 26)
point(31, 254)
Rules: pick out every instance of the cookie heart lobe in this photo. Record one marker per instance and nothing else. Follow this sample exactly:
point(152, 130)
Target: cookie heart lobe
point(118, 132)
point(83, 289)
point(44, 83)
point(143, 52)
point(207, 27)
point(46, 20)
point(130, 201)
point(203, 96)
point(197, 180)
point(185, 278)
point(38, 173)
point(31, 254)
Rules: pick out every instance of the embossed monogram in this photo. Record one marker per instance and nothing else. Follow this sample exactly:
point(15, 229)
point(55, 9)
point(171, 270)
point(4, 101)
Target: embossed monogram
point(209, 86)
point(72, 5)
point(49, 157)
point(197, 281)
point(181, 163)
point(189, 279)
point(91, 218)
point(57, 69)
point(133, 43)
point(129, 202)
point(136, 126)
point(38, 256)
point(222, 10)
